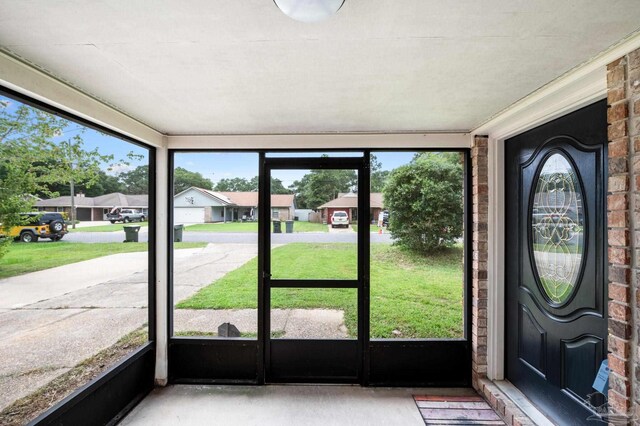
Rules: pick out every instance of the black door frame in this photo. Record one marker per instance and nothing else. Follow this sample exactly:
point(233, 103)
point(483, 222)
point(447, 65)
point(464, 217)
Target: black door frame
point(330, 366)
point(383, 362)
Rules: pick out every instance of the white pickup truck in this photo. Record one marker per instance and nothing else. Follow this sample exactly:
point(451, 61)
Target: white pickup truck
point(125, 215)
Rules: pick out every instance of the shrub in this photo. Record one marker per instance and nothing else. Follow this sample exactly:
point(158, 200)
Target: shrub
point(425, 200)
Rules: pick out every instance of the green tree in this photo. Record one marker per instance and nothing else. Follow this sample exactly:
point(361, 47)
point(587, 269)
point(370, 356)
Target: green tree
point(25, 139)
point(277, 187)
point(105, 184)
point(251, 185)
point(319, 186)
point(297, 188)
point(184, 179)
point(425, 198)
point(236, 185)
point(31, 160)
point(74, 165)
point(378, 176)
point(136, 181)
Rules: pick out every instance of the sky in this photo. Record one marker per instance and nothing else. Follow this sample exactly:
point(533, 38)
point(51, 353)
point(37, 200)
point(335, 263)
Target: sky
point(106, 144)
point(213, 166)
point(217, 166)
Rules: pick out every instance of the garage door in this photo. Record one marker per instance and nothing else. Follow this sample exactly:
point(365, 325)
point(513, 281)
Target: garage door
point(188, 215)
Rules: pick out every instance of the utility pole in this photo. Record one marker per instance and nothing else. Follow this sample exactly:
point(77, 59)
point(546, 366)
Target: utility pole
point(73, 204)
point(72, 188)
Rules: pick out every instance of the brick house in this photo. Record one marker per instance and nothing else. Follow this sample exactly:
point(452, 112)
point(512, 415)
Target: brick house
point(348, 202)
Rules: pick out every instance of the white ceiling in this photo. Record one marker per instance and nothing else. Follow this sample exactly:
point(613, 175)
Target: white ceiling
point(241, 66)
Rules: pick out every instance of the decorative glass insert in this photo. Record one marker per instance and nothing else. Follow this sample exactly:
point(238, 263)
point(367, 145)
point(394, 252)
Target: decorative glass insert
point(557, 219)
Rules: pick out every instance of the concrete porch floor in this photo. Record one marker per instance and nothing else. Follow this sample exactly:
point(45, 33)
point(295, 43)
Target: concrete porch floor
point(282, 405)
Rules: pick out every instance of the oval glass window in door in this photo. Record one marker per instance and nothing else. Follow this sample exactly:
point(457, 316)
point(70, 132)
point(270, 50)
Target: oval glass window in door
point(558, 234)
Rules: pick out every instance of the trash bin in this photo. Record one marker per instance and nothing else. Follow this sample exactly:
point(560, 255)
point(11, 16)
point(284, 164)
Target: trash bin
point(177, 233)
point(277, 227)
point(289, 226)
point(131, 233)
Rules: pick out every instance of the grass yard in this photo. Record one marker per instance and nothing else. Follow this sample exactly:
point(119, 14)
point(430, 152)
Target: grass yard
point(299, 226)
point(23, 258)
point(411, 296)
point(106, 228)
point(253, 227)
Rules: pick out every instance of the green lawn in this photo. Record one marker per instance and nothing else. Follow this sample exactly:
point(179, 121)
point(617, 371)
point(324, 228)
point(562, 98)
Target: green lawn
point(299, 226)
point(105, 228)
point(418, 297)
point(23, 258)
point(253, 227)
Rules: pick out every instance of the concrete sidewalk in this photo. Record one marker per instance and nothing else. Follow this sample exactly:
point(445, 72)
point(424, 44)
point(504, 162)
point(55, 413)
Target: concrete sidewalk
point(16, 292)
point(52, 320)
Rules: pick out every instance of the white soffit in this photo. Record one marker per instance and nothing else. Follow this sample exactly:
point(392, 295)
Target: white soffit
point(321, 141)
point(243, 67)
point(17, 76)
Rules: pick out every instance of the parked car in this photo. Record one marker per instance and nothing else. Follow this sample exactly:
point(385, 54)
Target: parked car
point(125, 215)
point(339, 218)
point(39, 225)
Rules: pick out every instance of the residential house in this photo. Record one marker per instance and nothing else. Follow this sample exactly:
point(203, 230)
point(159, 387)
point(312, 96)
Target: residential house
point(198, 205)
point(348, 202)
point(94, 208)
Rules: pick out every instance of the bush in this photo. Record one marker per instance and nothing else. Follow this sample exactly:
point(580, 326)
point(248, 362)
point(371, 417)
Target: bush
point(425, 200)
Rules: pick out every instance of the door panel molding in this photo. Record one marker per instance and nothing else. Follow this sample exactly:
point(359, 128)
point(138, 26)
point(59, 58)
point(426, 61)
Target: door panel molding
point(524, 352)
point(566, 318)
point(572, 346)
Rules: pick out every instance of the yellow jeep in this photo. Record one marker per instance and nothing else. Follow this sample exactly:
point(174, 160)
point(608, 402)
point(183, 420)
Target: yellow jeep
point(39, 225)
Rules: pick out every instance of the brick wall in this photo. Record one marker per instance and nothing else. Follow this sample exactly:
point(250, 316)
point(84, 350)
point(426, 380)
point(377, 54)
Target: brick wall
point(480, 193)
point(623, 222)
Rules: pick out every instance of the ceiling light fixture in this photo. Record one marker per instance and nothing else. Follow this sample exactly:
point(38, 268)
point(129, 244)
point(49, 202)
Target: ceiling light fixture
point(309, 10)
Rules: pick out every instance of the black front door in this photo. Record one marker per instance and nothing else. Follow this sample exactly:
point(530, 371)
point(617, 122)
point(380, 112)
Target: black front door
point(555, 274)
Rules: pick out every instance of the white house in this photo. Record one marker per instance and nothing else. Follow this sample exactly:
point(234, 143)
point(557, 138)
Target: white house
point(197, 205)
